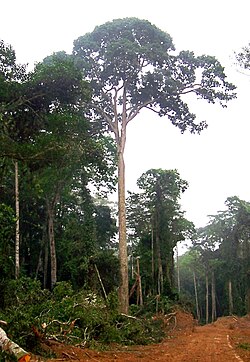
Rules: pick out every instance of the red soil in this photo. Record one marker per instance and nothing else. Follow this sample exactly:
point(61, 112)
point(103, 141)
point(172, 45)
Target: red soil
point(226, 340)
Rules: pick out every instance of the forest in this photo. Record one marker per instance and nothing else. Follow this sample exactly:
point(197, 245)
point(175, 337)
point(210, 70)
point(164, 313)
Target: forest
point(63, 243)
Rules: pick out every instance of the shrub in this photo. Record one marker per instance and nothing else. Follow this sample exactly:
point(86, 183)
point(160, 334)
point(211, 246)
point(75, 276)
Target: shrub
point(70, 316)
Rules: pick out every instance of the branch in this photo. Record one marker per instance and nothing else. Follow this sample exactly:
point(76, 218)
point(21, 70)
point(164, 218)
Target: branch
point(129, 316)
point(135, 110)
point(187, 90)
point(116, 130)
point(152, 109)
point(104, 115)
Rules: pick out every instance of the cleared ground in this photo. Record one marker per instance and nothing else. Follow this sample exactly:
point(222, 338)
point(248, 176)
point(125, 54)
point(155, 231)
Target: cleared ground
point(226, 340)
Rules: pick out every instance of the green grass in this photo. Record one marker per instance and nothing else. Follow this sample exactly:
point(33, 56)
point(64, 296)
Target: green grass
point(245, 346)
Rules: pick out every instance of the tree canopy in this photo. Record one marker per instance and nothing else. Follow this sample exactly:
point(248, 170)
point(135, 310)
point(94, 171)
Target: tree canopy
point(130, 61)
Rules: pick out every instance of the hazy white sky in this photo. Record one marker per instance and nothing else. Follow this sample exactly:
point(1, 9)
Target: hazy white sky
point(216, 163)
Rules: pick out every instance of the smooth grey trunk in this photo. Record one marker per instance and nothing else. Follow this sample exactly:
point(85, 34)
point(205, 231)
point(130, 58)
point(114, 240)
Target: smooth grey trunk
point(45, 266)
point(152, 257)
point(170, 269)
point(159, 265)
point(139, 295)
point(207, 299)
point(123, 253)
point(214, 313)
point(100, 280)
point(17, 241)
point(158, 255)
point(196, 297)
point(42, 254)
point(178, 269)
point(230, 297)
point(51, 235)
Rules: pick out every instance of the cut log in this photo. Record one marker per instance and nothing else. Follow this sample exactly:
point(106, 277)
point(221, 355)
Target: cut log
point(12, 348)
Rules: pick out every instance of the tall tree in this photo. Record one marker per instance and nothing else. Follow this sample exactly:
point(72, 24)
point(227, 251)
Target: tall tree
point(11, 77)
point(131, 65)
point(43, 127)
point(223, 246)
point(155, 216)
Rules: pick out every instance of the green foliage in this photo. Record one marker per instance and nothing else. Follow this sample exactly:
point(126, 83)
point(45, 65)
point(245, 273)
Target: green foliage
point(70, 316)
point(245, 346)
point(135, 60)
point(62, 290)
point(60, 151)
point(221, 248)
point(156, 225)
point(5, 357)
point(7, 230)
point(22, 292)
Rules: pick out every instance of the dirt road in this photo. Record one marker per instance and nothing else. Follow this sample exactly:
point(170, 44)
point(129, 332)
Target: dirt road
point(226, 340)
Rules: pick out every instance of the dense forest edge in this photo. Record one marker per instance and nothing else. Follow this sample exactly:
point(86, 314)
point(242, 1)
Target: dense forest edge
point(76, 267)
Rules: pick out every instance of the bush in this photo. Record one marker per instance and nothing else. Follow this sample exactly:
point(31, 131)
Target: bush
point(70, 316)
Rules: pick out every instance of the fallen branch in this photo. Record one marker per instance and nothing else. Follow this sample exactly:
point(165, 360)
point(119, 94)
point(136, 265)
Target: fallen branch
point(64, 332)
point(12, 348)
point(129, 316)
point(169, 316)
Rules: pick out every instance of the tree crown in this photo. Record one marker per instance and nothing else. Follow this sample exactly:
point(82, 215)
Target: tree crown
point(131, 65)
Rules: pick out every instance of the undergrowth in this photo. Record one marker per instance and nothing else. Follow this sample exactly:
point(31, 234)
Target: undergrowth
point(34, 315)
point(245, 346)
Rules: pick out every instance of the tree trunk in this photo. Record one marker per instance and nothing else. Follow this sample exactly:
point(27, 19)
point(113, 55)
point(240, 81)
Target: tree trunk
point(51, 234)
point(170, 269)
point(123, 253)
point(100, 280)
point(159, 264)
point(12, 348)
point(230, 297)
point(152, 259)
point(139, 294)
point(214, 314)
point(40, 263)
point(178, 270)
point(196, 297)
point(207, 299)
point(17, 242)
point(159, 269)
point(45, 265)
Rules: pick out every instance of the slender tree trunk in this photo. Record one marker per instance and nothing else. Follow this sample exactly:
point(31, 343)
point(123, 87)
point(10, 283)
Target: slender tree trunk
point(51, 234)
point(159, 265)
point(123, 253)
point(178, 270)
point(152, 258)
point(40, 266)
point(102, 285)
point(213, 299)
point(45, 267)
point(158, 255)
point(170, 269)
point(139, 297)
point(196, 297)
point(207, 299)
point(17, 243)
point(230, 297)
